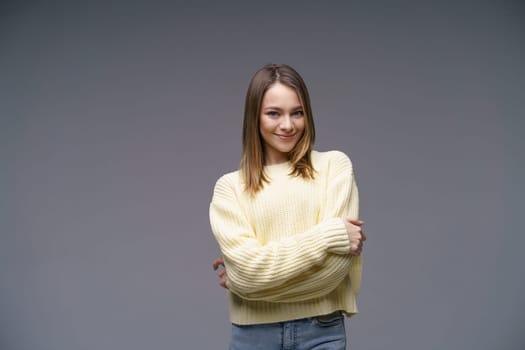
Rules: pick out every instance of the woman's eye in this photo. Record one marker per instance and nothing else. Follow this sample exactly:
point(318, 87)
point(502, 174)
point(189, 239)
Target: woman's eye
point(272, 114)
point(298, 113)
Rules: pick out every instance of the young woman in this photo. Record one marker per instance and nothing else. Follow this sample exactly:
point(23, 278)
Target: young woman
point(287, 225)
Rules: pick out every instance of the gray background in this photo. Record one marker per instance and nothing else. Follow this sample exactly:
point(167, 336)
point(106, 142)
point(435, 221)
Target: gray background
point(118, 117)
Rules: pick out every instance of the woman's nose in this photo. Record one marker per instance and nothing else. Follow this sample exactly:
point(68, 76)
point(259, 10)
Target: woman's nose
point(286, 123)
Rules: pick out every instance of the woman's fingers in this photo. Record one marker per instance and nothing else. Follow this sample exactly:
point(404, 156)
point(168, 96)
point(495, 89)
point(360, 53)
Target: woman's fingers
point(223, 277)
point(356, 222)
point(218, 262)
point(356, 235)
point(359, 223)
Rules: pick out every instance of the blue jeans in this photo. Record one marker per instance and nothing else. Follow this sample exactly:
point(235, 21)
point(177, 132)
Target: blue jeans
point(313, 333)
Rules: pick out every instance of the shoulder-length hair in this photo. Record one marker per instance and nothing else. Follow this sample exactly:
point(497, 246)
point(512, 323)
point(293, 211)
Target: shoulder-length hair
point(252, 160)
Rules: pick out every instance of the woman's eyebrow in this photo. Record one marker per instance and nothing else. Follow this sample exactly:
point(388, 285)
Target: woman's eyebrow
point(280, 109)
point(273, 107)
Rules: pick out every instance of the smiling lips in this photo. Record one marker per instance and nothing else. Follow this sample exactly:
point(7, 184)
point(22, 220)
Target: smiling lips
point(286, 137)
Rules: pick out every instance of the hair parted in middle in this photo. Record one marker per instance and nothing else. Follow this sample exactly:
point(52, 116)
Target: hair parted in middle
point(252, 160)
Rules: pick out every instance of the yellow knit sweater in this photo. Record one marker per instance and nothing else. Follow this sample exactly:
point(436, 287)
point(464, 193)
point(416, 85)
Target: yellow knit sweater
point(286, 250)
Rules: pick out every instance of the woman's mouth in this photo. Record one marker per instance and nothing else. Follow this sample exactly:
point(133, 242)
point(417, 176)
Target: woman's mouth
point(286, 137)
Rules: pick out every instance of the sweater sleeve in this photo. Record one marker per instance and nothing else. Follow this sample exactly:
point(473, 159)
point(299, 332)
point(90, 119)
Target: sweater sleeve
point(298, 267)
point(342, 191)
point(342, 199)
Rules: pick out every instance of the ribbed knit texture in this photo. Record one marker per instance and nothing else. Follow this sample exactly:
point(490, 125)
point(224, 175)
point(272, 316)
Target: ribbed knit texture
point(286, 250)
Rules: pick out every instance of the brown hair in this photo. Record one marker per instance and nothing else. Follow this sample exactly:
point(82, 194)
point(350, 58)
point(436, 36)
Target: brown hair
point(252, 160)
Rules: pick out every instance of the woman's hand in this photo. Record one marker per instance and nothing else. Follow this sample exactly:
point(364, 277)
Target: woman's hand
point(223, 277)
point(355, 235)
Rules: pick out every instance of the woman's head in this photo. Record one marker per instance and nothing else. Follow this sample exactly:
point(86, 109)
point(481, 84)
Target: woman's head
point(288, 103)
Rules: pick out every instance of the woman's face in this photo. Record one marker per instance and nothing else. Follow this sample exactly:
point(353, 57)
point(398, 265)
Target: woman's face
point(282, 122)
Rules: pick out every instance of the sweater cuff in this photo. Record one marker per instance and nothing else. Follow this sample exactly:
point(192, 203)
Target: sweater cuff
point(336, 237)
